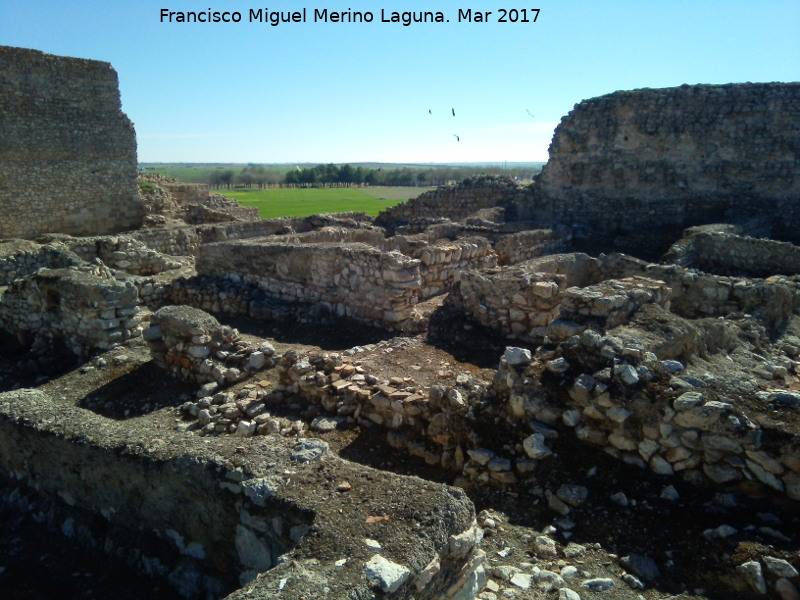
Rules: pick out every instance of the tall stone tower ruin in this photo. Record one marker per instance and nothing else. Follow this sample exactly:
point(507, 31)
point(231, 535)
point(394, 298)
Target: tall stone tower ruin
point(67, 151)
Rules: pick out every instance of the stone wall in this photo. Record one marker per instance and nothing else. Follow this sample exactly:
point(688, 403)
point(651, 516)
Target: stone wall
point(670, 158)
point(454, 202)
point(598, 389)
point(512, 301)
point(523, 301)
point(616, 400)
point(208, 519)
point(441, 261)
point(194, 347)
point(729, 254)
point(353, 280)
point(524, 245)
point(67, 153)
point(83, 310)
point(20, 258)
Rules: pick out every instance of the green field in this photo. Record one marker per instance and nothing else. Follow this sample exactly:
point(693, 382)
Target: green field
point(288, 202)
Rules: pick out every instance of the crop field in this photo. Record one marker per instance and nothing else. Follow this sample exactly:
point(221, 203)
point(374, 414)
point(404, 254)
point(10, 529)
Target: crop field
point(304, 202)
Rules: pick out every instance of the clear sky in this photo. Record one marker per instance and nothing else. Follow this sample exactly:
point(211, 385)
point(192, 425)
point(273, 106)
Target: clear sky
point(357, 92)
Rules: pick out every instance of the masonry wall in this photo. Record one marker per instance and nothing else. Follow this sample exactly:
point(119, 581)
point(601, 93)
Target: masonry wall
point(726, 253)
point(454, 202)
point(675, 157)
point(67, 151)
point(353, 280)
point(84, 310)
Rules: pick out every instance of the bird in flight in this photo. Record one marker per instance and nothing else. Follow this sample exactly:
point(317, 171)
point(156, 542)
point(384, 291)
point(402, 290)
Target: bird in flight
point(529, 112)
point(454, 111)
point(429, 111)
point(458, 139)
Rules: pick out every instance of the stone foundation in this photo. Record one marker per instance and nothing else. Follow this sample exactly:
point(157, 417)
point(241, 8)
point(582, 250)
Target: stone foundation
point(209, 526)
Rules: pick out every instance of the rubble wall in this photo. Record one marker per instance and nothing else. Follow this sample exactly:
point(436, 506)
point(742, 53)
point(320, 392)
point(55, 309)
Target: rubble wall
point(83, 310)
point(615, 400)
point(675, 157)
point(524, 245)
point(194, 512)
point(730, 254)
point(454, 202)
point(353, 280)
point(68, 152)
point(599, 390)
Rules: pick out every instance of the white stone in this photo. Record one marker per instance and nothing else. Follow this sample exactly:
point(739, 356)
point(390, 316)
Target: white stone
point(779, 567)
point(574, 495)
point(245, 429)
point(618, 414)
point(517, 357)
point(751, 572)
point(548, 581)
point(253, 552)
point(461, 544)
point(598, 584)
point(256, 361)
point(385, 574)
point(627, 374)
point(427, 574)
point(568, 594)
point(521, 580)
point(688, 400)
point(571, 417)
point(535, 446)
point(545, 546)
point(764, 476)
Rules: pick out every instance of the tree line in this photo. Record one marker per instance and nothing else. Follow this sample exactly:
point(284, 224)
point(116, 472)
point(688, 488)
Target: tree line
point(332, 175)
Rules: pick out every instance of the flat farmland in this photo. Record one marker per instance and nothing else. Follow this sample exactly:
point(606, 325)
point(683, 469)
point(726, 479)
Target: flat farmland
point(304, 202)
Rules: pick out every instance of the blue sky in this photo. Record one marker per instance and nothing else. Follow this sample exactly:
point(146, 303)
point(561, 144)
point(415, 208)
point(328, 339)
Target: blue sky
point(356, 92)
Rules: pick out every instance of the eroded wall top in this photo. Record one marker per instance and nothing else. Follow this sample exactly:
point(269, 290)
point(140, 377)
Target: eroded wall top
point(67, 151)
point(674, 141)
point(634, 160)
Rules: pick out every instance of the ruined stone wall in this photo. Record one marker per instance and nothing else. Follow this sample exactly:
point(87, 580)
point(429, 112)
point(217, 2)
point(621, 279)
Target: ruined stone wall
point(528, 300)
point(193, 346)
point(600, 390)
point(122, 252)
point(83, 310)
point(453, 202)
point(512, 301)
point(442, 261)
point(729, 254)
point(67, 152)
point(675, 157)
point(353, 280)
point(525, 245)
point(19, 258)
point(613, 401)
